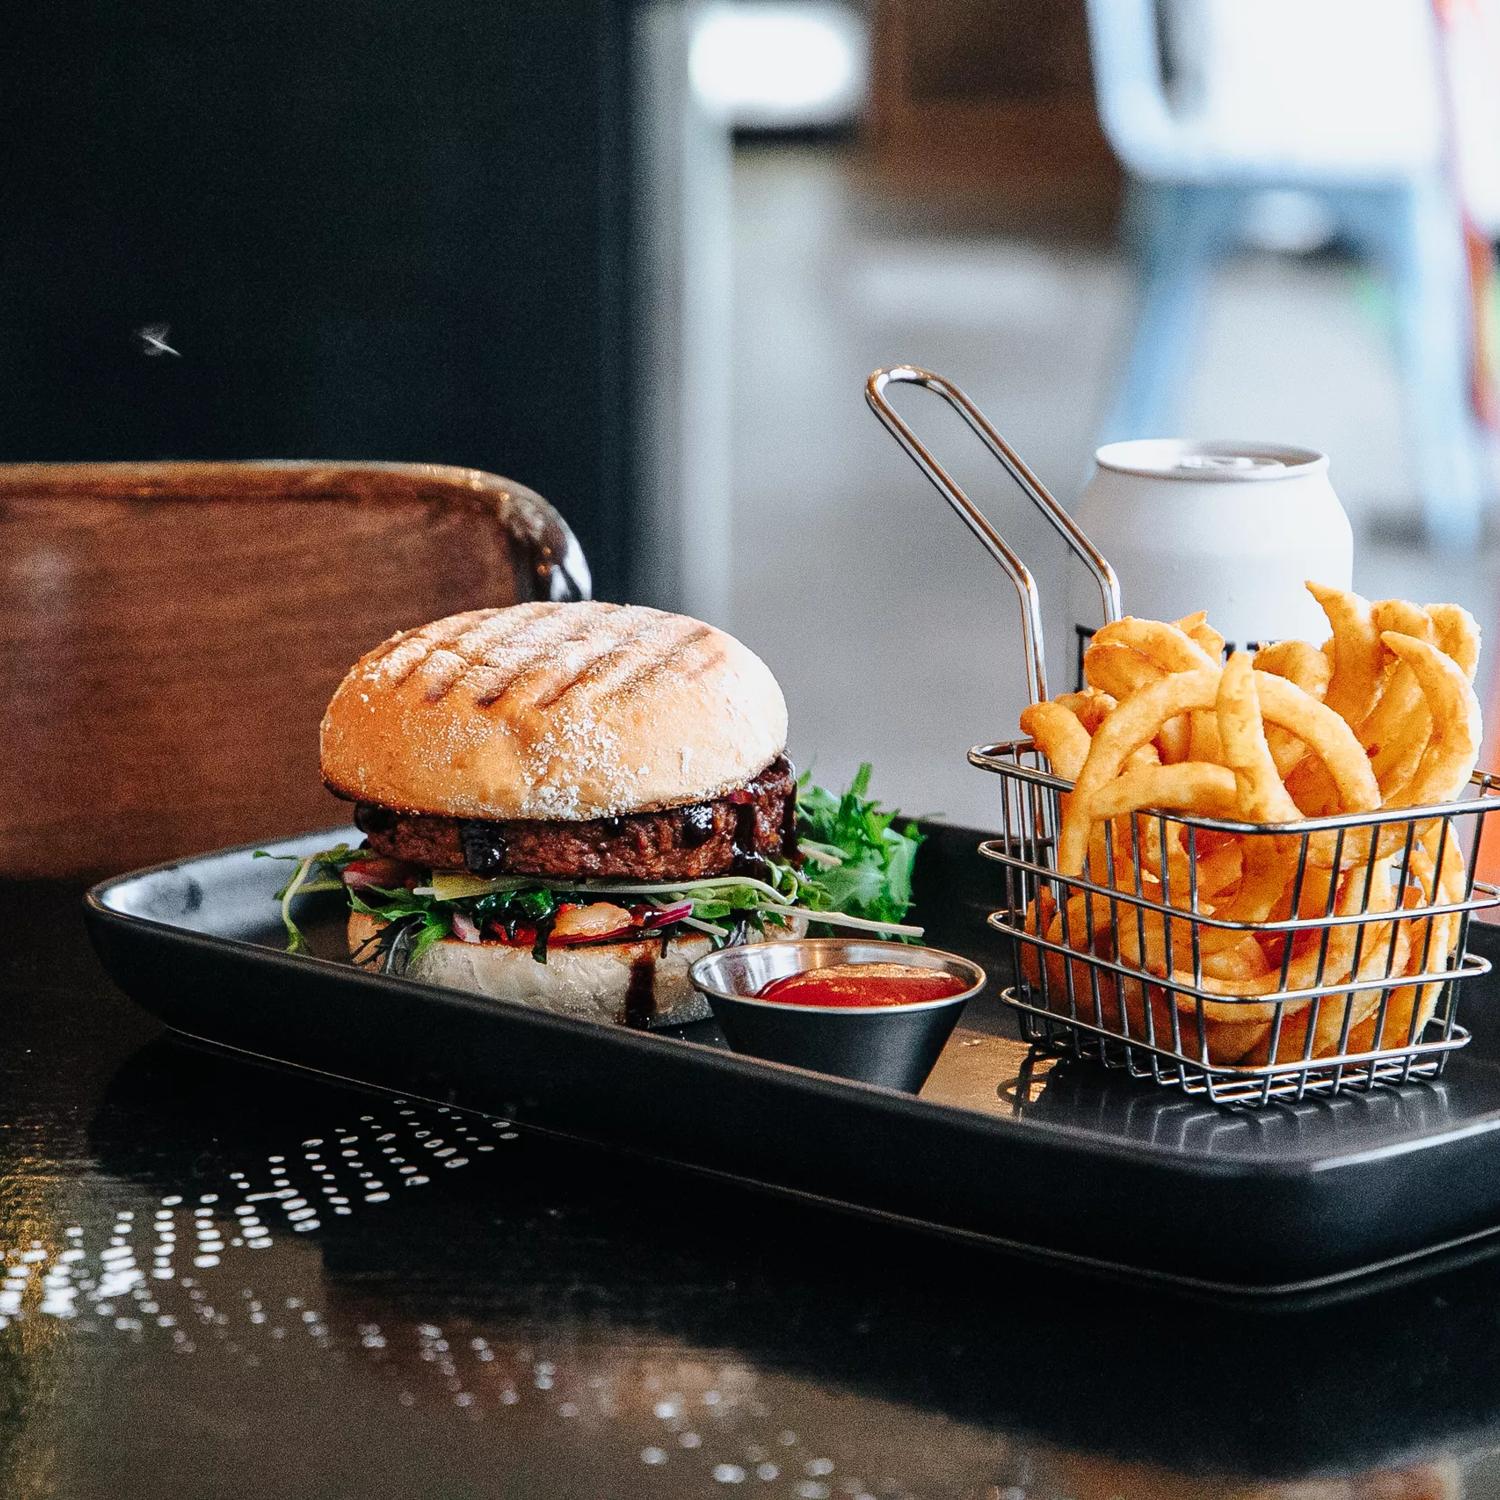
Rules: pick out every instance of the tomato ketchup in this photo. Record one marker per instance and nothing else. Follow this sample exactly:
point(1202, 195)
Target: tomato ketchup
point(843, 985)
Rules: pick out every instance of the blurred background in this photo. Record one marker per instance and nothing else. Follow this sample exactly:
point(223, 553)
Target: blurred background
point(642, 257)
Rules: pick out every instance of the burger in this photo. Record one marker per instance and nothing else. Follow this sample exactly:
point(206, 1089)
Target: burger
point(564, 806)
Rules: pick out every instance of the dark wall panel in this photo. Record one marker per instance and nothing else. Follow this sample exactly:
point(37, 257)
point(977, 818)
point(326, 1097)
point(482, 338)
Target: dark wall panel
point(376, 231)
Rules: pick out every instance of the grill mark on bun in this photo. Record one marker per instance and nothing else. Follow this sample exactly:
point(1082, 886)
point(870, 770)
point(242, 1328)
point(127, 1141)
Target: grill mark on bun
point(635, 671)
point(440, 671)
point(498, 640)
point(491, 640)
point(493, 657)
point(643, 673)
point(612, 657)
point(534, 688)
point(496, 659)
point(406, 654)
point(395, 660)
point(520, 658)
point(706, 663)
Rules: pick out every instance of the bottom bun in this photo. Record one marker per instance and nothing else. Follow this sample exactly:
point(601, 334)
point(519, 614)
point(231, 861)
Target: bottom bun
point(634, 984)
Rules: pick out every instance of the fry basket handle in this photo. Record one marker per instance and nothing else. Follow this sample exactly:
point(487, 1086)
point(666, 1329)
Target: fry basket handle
point(975, 519)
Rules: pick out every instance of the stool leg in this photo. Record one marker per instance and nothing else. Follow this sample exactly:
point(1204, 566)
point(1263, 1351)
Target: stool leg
point(1179, 229)
point(1433, 315)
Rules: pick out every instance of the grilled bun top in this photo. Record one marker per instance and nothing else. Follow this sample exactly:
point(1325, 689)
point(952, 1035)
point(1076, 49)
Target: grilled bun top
point(552, 711)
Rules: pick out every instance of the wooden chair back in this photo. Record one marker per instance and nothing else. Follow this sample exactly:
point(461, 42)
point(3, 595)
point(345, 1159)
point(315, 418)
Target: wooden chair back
point(172, 632)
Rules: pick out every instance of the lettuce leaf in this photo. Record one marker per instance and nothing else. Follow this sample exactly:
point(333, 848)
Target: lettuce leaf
point(856, 860)
point(304, 882)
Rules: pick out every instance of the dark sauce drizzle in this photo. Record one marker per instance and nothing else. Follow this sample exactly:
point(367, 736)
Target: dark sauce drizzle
point(640, 995)
point(697, 825)
point(484, 848)
point(747, 859)
point(369, 817)
point(791, 848)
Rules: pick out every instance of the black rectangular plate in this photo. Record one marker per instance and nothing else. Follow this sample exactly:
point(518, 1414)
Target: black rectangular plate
point(1054, 1158)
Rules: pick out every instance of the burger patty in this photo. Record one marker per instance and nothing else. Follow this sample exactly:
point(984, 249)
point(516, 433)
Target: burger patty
point(732, 834)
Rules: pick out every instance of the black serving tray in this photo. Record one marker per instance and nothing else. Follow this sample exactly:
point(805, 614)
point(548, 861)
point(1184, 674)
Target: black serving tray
point(1052, 1158)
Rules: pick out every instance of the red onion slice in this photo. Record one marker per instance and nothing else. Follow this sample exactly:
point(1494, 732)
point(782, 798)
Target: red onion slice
point(663, 915)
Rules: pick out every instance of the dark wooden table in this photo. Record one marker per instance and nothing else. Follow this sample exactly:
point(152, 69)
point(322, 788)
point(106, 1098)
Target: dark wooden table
point(227, 1279)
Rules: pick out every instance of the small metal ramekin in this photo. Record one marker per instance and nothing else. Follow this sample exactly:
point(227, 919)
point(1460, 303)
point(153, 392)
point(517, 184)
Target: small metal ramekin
point(894, 1045)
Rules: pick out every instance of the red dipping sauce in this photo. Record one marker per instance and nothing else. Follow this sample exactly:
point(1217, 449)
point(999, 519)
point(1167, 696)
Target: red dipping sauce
point(863, 984)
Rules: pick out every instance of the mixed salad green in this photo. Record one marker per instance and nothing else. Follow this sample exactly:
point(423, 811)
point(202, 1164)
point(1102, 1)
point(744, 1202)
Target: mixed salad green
point(856, 874)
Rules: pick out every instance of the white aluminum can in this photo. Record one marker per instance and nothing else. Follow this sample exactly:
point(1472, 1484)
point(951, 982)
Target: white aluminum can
point(1234, 528)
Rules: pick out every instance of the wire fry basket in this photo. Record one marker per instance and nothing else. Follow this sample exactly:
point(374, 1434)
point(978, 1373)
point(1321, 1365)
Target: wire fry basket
point(1364, 979)
point(1354, 980)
